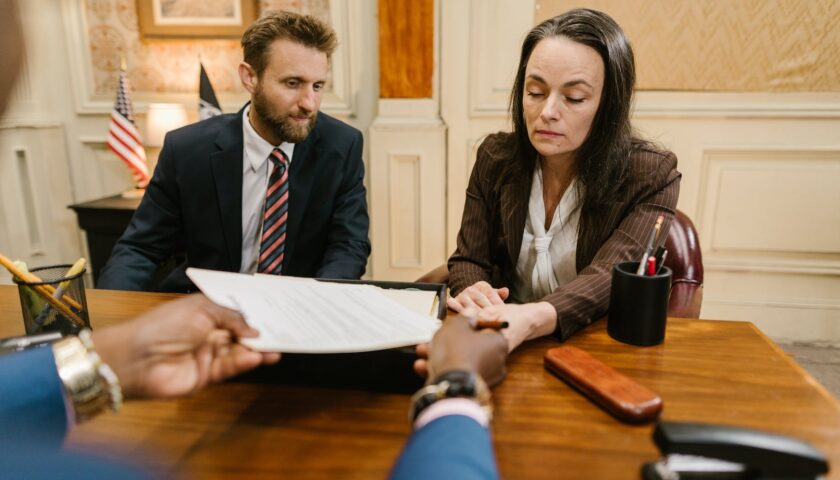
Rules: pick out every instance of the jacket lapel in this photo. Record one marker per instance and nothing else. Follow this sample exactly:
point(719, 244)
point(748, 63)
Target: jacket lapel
point(302, 175)
point(226, 164)
point(514, 210)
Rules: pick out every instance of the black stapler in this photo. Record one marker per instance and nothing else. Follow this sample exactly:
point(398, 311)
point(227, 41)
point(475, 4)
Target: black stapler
point(705, 451)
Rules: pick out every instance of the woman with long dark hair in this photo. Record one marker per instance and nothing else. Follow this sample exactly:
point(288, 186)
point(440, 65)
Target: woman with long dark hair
point(572, 190)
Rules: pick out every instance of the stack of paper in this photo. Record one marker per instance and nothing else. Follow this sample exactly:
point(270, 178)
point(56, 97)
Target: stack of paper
point(299, 315)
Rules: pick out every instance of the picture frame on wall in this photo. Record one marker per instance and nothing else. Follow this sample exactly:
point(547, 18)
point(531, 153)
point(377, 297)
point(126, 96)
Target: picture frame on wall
point(195, 18)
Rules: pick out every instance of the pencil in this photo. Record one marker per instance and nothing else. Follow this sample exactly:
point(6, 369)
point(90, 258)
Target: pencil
point(652, 239)
point(494, 324)
point(45, 291)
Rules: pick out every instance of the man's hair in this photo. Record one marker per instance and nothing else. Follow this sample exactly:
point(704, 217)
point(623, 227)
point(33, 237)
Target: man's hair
point(274, 25)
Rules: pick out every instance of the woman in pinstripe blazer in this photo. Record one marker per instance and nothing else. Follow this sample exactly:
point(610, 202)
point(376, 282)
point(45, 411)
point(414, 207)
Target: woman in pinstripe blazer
point(553, 205)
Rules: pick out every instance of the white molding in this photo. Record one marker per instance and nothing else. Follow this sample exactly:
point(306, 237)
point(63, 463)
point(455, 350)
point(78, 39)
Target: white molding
point(755, 259)
point(76, 42)
point(398, 258)
point(93, 139)
point(713, 262)
point(33, 123)
point(346, 60)
point(485, 98)
point(682, 104)
point(799, 303)
point(409, 108)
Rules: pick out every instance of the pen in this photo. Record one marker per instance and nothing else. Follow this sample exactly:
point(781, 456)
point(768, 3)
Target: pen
point(661, 261)
point(651, 266)
point(654, 235)
point(494, 324)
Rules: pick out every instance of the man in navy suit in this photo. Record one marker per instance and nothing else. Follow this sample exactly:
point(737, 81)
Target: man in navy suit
point(275, 188)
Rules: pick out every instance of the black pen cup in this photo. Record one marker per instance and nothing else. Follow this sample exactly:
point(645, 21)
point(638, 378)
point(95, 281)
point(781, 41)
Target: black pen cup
point(638, 305)
point(56, 303)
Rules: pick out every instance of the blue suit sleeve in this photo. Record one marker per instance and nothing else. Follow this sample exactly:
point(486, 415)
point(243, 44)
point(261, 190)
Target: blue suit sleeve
point(453, 446)
point(31, 398)
point(348, 245)
point(152, 234)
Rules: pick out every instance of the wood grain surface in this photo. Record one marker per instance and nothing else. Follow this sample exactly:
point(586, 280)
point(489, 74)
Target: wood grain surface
point(709, 371)
point(406, 48)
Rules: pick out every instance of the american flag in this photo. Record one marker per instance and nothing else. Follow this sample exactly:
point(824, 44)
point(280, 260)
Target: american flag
point(123, 137)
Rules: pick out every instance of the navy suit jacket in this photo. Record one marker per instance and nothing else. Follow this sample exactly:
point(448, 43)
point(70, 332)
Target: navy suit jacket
point(453, 446)
point(34, 421)
point(193, 205)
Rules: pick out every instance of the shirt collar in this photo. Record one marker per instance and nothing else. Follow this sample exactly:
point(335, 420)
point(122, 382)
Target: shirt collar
point(257, 149)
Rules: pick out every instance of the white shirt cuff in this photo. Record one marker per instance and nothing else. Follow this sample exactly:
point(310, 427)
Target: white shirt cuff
point(452, 406)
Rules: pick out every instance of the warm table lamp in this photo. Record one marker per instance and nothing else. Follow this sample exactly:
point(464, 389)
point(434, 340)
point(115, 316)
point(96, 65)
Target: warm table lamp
point(162, 118)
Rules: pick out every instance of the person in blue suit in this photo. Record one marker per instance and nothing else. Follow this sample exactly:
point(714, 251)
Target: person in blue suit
point(184, 345)
point(170, 351)
point(274, 188)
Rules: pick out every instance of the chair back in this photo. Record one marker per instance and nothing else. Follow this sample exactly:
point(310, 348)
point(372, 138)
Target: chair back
point(686, 262)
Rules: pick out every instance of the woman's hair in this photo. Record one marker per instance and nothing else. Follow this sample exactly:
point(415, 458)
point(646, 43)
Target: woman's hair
point(602, 158)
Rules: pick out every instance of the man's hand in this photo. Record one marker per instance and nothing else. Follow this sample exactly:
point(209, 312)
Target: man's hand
point(457, 346)
point(477, 296)
point(178, 348)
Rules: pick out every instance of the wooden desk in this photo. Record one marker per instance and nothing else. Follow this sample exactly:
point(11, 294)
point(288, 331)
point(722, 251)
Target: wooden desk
point(726, 372)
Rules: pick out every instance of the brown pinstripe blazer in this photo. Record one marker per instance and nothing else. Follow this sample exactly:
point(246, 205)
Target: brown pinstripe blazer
point(494, 221)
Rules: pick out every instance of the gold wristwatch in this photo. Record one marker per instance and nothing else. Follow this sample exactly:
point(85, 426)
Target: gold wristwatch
point(91, 384)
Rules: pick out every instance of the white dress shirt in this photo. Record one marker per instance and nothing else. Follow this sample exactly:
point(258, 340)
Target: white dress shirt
point(547, 258)
point(255, 172)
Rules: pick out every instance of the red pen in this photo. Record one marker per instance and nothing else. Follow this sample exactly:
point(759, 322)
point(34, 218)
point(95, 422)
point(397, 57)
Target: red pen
point(651, 266)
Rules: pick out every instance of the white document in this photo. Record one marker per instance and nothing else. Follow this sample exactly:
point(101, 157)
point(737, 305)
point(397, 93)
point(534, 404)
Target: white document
point(423, 302)
point(298, 315)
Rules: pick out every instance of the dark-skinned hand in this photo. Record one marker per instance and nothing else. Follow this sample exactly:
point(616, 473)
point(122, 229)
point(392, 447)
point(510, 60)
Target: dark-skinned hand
point(457, 346)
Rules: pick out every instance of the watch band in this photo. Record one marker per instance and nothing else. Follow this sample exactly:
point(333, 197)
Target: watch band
point(91, 384)
point(452, 384)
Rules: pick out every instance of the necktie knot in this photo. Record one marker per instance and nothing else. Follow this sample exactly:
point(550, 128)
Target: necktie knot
point(278, 158)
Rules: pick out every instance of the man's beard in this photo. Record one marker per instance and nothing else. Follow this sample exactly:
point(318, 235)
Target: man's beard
point(281, 124)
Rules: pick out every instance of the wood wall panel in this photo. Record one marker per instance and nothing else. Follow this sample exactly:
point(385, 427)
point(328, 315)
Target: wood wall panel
point(406, 48)
point(710, 45)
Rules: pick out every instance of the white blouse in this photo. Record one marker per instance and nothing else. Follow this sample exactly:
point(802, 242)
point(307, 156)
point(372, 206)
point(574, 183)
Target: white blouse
point(547, 258)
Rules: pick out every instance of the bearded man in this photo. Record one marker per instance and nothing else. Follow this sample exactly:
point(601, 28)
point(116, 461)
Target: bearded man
point(276, 188)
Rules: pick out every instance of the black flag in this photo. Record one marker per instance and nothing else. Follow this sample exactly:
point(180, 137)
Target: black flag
point(208, 106)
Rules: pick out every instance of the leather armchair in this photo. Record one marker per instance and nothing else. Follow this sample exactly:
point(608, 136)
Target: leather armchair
point(684, 259)
point(686, 263)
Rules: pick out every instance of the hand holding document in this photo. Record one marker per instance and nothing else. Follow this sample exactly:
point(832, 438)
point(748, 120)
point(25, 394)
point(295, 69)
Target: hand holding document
point(298, 315)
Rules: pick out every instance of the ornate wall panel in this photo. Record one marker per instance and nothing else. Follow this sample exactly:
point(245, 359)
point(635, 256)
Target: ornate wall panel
point(745, 45)
point(167, 69)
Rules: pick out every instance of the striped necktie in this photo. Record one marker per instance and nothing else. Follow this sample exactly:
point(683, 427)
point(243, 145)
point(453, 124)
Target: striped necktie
point(275, 213)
